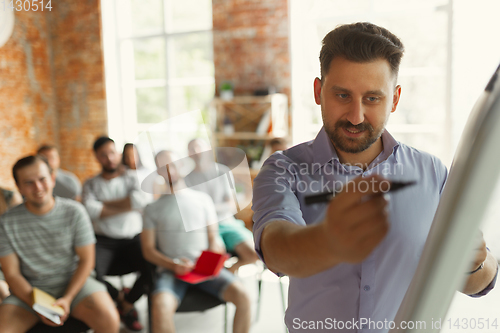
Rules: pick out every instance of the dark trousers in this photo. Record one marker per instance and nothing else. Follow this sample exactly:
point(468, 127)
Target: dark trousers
point(120, 257)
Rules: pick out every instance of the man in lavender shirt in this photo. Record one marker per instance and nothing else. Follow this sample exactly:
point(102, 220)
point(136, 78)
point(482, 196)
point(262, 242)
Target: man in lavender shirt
point(351, 261)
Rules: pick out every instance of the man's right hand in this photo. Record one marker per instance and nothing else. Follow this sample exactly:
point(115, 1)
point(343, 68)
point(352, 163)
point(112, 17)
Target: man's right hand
point(49, 322)
point(356, 219)
point(183, 266)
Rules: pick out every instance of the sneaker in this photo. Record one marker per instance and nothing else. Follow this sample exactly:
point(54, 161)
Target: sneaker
point(131, 320)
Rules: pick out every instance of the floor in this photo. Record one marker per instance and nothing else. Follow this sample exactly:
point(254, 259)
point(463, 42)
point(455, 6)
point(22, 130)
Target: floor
point(270, 318)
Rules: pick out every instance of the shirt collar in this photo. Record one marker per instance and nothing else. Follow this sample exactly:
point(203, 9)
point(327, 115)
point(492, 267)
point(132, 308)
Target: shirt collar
point(324, 152)
point(390, 146)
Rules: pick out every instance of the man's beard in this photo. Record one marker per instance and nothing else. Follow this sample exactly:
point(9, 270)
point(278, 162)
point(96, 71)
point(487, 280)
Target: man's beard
point(353, 145)
point(109, 170)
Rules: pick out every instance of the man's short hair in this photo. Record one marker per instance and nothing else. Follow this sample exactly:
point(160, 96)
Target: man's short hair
point(101, 141)
point(361, 42)
point(45, 147)
point(27, 161)
point(161, 152)
point(199, 140)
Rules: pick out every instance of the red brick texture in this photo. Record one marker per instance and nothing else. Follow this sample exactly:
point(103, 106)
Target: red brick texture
point(52, 86)
point(78, 64)
point(27, 110)
point(251, 44)
point(52, 74)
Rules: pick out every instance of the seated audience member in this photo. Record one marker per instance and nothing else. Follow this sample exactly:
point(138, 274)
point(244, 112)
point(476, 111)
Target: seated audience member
point(114, 202)
point(8, 199)
point(237, 238)
point(166, 244)
point(278, 144)
point(132, 160)
point(272, 146)
point(48, 243)
point(67, 184)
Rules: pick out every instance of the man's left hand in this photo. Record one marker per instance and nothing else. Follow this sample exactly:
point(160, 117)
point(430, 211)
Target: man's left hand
point(217, 248)
point(481, 254)
point(64, 303)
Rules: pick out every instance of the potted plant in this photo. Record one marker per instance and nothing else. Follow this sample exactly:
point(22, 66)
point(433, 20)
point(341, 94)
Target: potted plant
point(226, 90)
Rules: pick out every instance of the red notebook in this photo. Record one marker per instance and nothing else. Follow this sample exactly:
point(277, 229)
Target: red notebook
point(207, 267)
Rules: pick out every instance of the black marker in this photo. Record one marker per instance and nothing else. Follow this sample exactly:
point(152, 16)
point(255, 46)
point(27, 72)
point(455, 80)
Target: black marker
point(326, 197)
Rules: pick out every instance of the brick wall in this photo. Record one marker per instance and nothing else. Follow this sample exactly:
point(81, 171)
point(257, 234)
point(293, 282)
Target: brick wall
point(52, 79)
point(27, 109)
point(79, 83)
point(251, 44)
point(52, 86)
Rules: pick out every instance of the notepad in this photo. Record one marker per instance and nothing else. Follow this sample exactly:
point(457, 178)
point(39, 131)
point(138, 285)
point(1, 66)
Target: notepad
point(43, 304)
point(207, 267)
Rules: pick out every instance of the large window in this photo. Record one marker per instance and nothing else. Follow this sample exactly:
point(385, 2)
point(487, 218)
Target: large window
point(159, 62)
point(451, 51)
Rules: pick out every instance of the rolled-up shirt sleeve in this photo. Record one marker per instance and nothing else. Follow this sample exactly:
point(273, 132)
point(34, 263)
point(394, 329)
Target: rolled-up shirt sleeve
point(273, 197)
point(92, 204)
point(489, 287)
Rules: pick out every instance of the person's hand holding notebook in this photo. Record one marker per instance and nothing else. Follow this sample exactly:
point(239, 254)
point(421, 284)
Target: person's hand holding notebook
point(207, 267)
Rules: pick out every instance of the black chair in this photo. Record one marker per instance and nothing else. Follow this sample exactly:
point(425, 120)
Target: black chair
point(259, 286)
point(195, 300)
point(71, 325)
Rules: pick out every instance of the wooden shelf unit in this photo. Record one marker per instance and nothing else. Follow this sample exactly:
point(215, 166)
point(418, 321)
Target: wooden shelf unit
point(255, 121)
point(246, 114)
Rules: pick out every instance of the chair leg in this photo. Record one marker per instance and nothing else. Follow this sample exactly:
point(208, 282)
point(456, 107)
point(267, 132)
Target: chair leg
point(283, 300)
point(259, 290)
point(122, 282)
point(225, 318)
point(259, 286)
point(150, 317)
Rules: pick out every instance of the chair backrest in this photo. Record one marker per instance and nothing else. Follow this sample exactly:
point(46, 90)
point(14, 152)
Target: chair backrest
point(198, 300)
point(71, 325)
point(195, 300)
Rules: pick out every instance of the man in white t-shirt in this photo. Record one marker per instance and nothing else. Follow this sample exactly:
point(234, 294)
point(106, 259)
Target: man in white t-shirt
point(114, 202)
point(167, 244)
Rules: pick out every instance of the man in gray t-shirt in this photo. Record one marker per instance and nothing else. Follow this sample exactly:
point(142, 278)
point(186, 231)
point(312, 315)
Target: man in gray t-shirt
point(177, 228)
point(48, 243)
point(237, 238)
point(67, 184)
